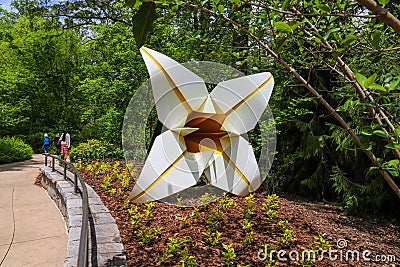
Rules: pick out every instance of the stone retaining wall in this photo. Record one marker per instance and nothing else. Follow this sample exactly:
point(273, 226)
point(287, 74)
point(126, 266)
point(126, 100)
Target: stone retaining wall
point(105, 246)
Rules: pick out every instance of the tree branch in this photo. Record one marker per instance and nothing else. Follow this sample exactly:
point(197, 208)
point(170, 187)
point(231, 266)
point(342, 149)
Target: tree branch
point(313, 91)
point(383, 14)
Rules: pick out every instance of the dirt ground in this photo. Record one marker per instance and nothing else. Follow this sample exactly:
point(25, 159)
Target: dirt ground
point(351, 241)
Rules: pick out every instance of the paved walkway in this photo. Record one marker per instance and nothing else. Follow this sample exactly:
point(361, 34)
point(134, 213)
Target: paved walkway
point(32, 230)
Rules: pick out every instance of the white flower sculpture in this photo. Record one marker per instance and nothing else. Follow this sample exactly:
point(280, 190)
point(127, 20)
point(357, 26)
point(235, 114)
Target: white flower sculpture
point(204, 131)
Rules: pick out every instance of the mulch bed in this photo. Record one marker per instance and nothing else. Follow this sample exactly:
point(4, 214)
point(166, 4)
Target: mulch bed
point(305, 219)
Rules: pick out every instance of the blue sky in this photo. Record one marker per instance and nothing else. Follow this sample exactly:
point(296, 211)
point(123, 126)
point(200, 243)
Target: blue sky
point(6, 4)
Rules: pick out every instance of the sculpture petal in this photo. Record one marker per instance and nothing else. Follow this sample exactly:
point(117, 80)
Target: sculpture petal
point(165, 171)
point(243, 100)
point(177, 91)
point(235, 169)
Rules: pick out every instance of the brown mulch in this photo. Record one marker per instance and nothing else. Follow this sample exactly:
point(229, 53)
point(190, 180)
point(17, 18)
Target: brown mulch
point(306, 219)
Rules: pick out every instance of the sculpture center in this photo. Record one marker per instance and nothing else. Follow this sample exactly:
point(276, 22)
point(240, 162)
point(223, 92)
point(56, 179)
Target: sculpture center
point(207, 137)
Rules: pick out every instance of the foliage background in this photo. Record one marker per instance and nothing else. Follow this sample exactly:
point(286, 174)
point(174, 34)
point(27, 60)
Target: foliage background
point(77, 65)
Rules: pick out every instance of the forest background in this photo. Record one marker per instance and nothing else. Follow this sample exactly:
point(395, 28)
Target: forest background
point(76, 64)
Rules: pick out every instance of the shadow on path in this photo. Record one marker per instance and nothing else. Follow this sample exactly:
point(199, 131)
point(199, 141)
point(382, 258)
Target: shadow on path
point(35, 161)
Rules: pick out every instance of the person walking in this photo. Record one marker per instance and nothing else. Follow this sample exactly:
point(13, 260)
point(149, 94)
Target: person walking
point(57, 143)
point(65, 143)
point(63, 146)
point(68, 138)
point(46, 143)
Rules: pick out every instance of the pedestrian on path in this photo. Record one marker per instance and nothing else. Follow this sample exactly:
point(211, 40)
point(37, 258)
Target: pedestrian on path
point(65, 143)
point(57, 143)
point(46, 143)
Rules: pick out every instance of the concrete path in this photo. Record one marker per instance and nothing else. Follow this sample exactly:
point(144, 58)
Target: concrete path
point(32, 230)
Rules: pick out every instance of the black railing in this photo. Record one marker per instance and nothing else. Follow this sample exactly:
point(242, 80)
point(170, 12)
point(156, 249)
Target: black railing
point(83, 254)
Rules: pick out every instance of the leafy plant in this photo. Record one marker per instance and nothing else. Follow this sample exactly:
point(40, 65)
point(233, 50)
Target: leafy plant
point(270, 263)
point(225, 202)
point(112, 191)
point(247, 227)
point(120, 192)
point(320, 244)
point(184, 221)
point(270, 206)
point(196, 212)
point(173, 247)
point(228, 254)
point(205, 199)
point(147, 235)
point(249, 209)
point(212, 237)
point(90, 168)
point(78, 165)
point(287, 236)
point(14, 149)
point(95, 150)
point(126, 204)
point(125, 179)
point(106, 182)
point(186, 259)
point(179, 202)
point(102, 167)
point(135, 216)
point(148, 211)
point(213, 219)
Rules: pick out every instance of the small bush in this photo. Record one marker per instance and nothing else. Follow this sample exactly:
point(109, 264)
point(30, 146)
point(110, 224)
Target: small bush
point(95, 150)
point(13, 150)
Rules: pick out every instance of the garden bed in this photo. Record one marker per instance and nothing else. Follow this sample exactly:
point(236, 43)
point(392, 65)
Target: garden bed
point(232, 230)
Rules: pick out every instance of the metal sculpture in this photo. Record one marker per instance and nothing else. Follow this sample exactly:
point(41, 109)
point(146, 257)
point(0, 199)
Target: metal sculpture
point(205, 131)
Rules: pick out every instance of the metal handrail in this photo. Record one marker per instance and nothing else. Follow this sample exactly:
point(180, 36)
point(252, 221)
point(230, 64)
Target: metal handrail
point(83, 253)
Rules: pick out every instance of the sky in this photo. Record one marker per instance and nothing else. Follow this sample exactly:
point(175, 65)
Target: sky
point(6, 4)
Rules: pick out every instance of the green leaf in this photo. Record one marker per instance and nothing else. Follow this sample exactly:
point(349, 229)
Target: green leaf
point(366, 133)
point(366, 146)
point(370, 80)
point(376, 38)
point(380, 133)
point(378, 87)
point(349, 40)
point(285, 4)
point(330, 32)
point(361, 79)
point(143, 22)
point(383, 2)
point(393, 172)
point(294, 24)
point(324, 8)
point(221, 8)
point(393, 146)
point(397, 131)
point(282, 26)
point(393, 84)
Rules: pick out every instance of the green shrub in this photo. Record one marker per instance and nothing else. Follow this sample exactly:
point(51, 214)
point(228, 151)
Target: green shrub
point(14, 149)
point(35, 141)
point(95, 150)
